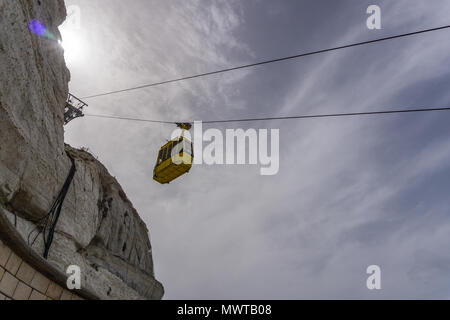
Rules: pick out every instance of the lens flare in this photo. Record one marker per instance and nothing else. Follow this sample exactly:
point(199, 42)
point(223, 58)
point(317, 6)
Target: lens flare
point(39, 29)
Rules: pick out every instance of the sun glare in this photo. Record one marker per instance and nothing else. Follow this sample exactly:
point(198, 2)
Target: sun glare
point(72, 45)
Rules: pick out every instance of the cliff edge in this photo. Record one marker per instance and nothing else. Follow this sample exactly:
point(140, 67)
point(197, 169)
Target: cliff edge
point(99, 230)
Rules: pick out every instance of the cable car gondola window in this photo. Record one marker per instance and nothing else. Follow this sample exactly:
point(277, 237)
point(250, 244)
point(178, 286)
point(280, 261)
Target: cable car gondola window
point(164, 155)
point(160, 155)
point(167, 154)
point(169, 151)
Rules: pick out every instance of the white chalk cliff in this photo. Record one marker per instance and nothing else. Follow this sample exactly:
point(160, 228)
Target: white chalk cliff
point(99, 230)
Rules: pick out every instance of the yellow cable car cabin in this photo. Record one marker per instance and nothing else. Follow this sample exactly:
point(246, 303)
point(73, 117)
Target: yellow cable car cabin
point(174, 159)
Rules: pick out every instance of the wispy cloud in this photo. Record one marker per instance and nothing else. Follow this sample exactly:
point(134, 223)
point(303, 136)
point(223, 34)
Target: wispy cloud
point(350, 193)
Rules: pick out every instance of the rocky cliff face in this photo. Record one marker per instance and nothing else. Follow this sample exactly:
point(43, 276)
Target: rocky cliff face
point(99, 230)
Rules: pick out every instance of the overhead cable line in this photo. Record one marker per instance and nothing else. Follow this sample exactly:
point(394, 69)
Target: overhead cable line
point(267, 62)
point(129, 119)
point(331, 115)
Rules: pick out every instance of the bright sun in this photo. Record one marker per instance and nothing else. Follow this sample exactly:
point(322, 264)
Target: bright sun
point(72, 44)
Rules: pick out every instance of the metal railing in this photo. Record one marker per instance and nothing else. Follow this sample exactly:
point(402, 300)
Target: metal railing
point(73, 109)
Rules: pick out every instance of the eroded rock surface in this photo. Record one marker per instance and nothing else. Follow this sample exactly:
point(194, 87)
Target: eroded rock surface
point(99, 229)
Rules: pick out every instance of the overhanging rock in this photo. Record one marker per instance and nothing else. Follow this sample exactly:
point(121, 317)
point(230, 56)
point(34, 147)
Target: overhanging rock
point(99, 230)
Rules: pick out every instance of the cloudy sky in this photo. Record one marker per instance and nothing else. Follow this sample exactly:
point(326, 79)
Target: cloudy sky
point(351, 192)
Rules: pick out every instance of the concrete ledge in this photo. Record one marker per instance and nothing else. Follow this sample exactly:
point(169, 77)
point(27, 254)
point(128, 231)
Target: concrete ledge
point(11, 237)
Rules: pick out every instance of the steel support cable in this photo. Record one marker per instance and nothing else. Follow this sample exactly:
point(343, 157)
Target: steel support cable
point(312, 116)
point(260, 63)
